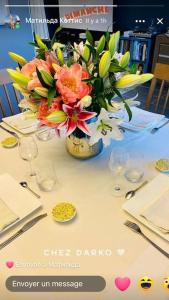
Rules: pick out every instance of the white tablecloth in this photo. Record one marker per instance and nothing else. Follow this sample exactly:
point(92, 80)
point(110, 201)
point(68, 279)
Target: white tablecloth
point(99, 224)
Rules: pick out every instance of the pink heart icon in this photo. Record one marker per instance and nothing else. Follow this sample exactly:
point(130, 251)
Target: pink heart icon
point(122, 283)
point(9, 264)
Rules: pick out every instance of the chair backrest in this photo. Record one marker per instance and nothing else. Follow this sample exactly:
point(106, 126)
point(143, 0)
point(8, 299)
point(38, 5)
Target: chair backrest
point(161, 73)
point(9, 97)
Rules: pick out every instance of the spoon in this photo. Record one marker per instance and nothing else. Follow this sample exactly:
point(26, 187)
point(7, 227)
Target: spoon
point(25, 185)
point(131, 194)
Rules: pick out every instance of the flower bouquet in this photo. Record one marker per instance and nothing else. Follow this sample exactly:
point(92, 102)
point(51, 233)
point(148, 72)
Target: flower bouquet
point(75, 95)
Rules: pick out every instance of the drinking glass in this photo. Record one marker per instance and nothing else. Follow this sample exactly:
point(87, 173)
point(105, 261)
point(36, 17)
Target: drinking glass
point(46, 176)
point(136, 168)
point(117, 164)
point(45, 133)
point(28, 151)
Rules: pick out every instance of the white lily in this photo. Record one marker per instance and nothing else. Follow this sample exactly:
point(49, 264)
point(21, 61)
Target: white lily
point(118, 56)
point(26, 104)
point(79, 51)
point(120, 105)
point(105, 128)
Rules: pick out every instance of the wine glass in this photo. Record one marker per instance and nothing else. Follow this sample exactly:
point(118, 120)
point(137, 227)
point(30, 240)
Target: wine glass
point(117, 164)
point(28, 150)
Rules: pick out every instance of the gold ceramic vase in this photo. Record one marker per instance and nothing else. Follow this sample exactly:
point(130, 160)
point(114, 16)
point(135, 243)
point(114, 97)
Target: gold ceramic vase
point(80, 148)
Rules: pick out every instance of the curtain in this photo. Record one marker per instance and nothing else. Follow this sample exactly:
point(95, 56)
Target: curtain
point(38, 12)
point(4, 11)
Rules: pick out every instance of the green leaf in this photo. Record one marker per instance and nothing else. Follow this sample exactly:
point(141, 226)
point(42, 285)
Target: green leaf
point(128, 110)
point(90, 79)
point(41, 53)
point(133, 69)
point(125, 104)
point(36, 95)
point(107, 36)
point(33, 44)
point(116, 68)
point(118, 93)
point(41, 79)
point(92, 49)
point(98, 86)
point(51, 95)
point(109, 98)
point(89, 37)
point(54, 36)
point(70, 61)
point(20, 67)
point(102, 102)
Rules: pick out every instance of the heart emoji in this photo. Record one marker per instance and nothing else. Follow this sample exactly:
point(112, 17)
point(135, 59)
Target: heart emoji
point(122, 283)
point(120, 252)
point(9, 264)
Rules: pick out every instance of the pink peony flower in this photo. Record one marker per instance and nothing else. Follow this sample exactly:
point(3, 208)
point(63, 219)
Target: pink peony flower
point(31, 66)
point(70, 84)
point(29, 70)
point(34, 83)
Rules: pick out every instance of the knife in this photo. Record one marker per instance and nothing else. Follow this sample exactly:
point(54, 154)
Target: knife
point(25, 227)
point(10, 132)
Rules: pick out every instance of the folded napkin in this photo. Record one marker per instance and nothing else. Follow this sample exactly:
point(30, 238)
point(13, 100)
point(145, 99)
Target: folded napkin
point(158, 213)
point(7, 216)
point(141, 119)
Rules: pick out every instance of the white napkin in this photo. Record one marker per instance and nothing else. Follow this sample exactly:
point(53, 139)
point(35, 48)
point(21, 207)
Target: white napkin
point(141, 119)
point(7, 216)
point(158, 213)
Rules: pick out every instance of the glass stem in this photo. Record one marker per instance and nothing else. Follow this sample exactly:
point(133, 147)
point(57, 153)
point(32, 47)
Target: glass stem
point(32, 172)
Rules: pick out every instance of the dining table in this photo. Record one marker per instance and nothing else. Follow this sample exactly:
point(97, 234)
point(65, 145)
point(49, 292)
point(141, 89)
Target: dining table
point(96, 242)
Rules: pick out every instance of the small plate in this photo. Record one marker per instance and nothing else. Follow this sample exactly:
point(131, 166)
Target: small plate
point(64, 212)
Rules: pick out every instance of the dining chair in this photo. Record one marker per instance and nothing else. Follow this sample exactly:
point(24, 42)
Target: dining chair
point(9, 97)
point(161, 74)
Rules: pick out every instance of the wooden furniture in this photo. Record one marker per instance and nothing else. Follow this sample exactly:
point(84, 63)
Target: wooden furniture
point(161, 73)
point(161, 50)
point(9, 97)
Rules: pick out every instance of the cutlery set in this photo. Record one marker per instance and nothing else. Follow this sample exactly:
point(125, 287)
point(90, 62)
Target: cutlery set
point(25, 227)
point(137, 229)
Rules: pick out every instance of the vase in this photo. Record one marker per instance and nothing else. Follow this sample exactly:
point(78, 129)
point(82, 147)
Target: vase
point(80, 148)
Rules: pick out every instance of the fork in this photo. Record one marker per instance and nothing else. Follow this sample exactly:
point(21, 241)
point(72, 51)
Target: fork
point(136, 228)
point(154, 130)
